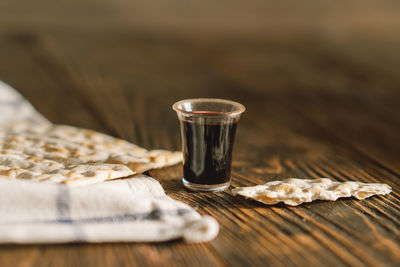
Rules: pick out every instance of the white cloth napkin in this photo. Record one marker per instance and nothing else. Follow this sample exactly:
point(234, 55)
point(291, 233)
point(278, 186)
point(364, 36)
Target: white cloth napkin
point(13, 107)
point(128, 210)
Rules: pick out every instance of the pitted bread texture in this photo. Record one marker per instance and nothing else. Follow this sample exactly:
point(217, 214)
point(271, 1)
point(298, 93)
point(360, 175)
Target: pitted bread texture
point(67, 154)
point(294, 191)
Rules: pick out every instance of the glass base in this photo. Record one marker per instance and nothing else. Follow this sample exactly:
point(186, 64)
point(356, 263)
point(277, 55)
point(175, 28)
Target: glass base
point(205, 187)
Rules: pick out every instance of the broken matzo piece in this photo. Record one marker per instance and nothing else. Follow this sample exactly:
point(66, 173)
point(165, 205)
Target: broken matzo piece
point(16, 165)
point(294, 191)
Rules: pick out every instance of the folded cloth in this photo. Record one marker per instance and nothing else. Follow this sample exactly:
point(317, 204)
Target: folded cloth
point(13, 107)
point(134, 209)
point(129, 210)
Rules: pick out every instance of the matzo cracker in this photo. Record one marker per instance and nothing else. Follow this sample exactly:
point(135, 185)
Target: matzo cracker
point(70, 155)
point(294, 191)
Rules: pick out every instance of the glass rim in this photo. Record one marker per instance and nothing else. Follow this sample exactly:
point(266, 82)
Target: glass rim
point(239, 107)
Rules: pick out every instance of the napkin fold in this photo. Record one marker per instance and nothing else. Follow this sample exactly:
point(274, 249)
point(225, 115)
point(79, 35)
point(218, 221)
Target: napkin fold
point(14, 107)
point(135, 209)
point(127, 210)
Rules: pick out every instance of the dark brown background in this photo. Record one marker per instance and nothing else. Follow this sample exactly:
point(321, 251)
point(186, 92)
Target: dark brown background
point(320, 80)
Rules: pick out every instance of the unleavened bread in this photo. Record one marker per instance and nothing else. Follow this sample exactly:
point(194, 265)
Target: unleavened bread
point(71, 155)
point(294, 191)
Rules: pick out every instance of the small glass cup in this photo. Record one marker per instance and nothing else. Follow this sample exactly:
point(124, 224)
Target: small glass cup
point(208, 127)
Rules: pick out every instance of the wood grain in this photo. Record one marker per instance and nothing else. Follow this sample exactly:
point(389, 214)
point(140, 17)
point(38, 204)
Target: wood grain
point(322, 100)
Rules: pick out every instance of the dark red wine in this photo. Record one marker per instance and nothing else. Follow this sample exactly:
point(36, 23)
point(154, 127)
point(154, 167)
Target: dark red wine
point(207, 152)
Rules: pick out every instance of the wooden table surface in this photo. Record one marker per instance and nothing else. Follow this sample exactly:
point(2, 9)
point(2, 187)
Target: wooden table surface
point(321, 84)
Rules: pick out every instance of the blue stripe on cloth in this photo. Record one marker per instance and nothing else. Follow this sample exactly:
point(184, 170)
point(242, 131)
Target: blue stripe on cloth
point(153, 215)
point(64, 213)
point(16, 103)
